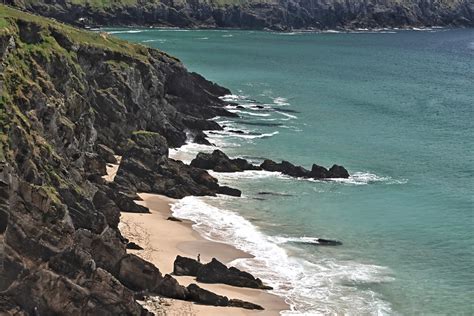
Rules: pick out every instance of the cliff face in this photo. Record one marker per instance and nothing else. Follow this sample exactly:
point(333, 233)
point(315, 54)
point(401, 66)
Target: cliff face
point(67, 97)
point(258, 14)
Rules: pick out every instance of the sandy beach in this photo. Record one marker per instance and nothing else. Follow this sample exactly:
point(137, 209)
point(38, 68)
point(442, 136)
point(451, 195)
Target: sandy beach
point(163, 240)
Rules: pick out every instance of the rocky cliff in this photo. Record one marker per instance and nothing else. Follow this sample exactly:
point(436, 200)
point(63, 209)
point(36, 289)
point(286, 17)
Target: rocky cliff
point(258, 14)
point(70, 100)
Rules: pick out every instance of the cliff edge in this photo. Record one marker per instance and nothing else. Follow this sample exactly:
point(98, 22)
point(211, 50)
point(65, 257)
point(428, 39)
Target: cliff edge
point(258, 14)
point(70, 101)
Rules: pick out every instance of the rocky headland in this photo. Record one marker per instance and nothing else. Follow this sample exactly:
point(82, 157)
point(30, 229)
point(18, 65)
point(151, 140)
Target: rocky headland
point(257, 14)
point(72, 102)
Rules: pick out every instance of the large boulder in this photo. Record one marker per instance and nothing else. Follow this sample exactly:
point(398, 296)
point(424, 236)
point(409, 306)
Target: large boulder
point(202, 296)
point(318, 172)
point(220, 162)
point(229, 191)
point(186, 266)
point(138, 274)
point(169, 287)
point(338, 172)
point(217, 272)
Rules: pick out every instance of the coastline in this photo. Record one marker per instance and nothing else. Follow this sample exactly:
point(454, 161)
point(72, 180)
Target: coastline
point(164, 239)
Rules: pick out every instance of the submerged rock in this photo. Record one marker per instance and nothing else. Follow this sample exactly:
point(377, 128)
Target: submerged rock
point(328, 242)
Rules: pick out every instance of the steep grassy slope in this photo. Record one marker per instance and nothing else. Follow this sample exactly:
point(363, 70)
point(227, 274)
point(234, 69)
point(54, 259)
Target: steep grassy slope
point(276, 14)
point(69, 99)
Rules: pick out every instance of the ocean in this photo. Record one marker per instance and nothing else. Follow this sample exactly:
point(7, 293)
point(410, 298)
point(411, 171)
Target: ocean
point(396, 109)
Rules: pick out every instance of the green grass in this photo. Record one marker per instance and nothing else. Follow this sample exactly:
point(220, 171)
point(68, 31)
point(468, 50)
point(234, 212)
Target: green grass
point(8, 16)
point(3, 23)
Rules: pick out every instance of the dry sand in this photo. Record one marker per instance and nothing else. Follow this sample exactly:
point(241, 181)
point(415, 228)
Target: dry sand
point(163, 240)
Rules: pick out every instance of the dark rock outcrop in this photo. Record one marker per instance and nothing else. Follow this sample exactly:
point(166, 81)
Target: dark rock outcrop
point(186, 266)
point(138, 274)
point(169, 287)
point(229, 191)
point(133, 246)
point(338, 172)
point(242, 304)
point(317, 172)
point(329, 242)
point(145, 167)
point(202, 296)
point(220, 162)
point(216, 272)
point(256, 14)
point(106, 153)
point(201, 138)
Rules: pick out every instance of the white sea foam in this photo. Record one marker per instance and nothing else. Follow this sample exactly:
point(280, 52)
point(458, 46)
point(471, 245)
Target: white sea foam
point(247, 174)
point(361, 178)
point(224, 133)
point(161, 40)
point(188, 152)
point(126, 31)
point(233, 97)
point(203, 38)
point(252, 113)
point(281, 101)
point(228, 35)
point(319, 286)
point(287, 115)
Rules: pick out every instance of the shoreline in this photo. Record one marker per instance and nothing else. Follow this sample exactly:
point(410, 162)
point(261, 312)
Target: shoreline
point(162, 240)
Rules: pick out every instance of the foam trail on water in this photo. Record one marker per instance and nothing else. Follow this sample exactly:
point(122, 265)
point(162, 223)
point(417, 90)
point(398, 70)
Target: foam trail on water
point(124, 32)
point(281, 101)
point(224, 133)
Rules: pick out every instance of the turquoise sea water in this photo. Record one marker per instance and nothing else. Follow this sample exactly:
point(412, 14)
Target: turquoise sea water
point(396, 109)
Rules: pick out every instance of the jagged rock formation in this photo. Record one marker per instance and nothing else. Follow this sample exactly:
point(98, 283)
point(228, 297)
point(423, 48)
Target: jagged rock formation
point(258, 14)
point(216, 272)
point(317, 172)
point(220, 162)
point(71, 100)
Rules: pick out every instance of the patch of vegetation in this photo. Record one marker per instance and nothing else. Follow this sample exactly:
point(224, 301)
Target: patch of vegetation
point(75, 35)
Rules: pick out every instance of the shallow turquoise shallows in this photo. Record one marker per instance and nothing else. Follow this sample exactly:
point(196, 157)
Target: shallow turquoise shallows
point(394, 108)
